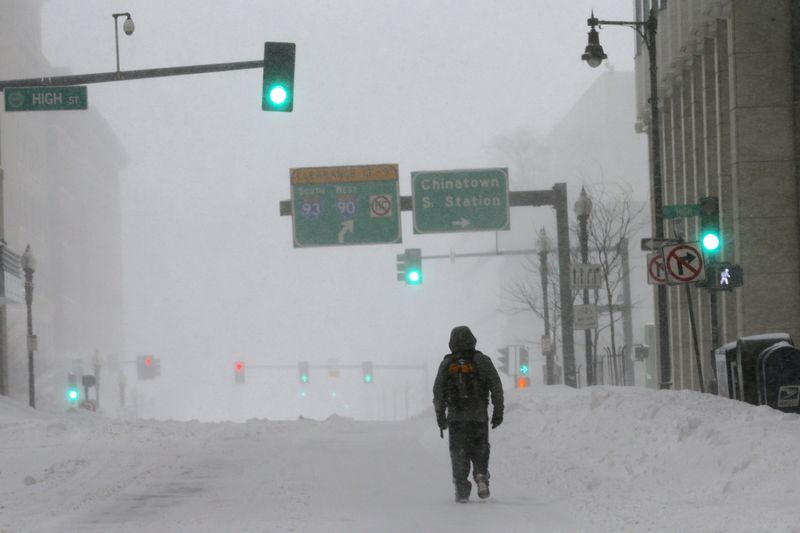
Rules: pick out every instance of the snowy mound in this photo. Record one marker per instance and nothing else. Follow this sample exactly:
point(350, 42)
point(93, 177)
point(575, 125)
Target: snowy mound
point(657, 457)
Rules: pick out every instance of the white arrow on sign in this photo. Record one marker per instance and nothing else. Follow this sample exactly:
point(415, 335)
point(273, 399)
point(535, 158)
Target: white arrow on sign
point(347, 227)
point(463, 222)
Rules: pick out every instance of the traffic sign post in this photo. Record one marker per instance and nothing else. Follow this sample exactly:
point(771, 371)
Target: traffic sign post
point(653, 245)
point(449, 201)
point(681, 211)
point(683, 264)
point(587, 276)
point(336, 206)
point(656, 273)
point(585, 316)
point(46, 98)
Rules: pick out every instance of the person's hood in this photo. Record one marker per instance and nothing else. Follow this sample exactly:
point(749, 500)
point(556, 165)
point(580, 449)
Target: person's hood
point(462, 340)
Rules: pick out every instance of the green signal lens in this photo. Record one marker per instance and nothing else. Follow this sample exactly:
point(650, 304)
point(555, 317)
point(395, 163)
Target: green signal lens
point(304, 379)
point(710, 242)
point(367, 379)
point(523, 369)
point(413, 277)
point(278, 95)
point(72, 394)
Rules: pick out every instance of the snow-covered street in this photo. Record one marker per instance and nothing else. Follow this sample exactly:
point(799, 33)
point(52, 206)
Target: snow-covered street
point(596, 459)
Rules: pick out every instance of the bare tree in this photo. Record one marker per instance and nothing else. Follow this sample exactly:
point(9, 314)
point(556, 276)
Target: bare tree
point(614, 218)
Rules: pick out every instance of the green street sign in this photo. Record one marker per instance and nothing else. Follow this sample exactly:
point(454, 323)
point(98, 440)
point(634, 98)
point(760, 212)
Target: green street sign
point(337, 206)
point(449, 201)
point(681, 211)
point(46, 98)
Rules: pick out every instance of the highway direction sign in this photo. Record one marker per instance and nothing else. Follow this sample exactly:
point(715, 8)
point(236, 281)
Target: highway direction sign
point(46, 98)
point(335, 206)
point(448, 201)
point(683, 263)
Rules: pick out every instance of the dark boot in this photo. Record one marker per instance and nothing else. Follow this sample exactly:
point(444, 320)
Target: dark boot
point(463, 489)
point(482, 480)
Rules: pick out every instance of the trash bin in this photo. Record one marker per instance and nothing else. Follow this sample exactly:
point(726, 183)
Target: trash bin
point(778, 377)
point(743, 379)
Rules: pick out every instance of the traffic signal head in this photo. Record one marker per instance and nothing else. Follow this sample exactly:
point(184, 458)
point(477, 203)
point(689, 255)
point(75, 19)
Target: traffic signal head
point(73, 392)
point(238, 372)
point(366, 371)
point(504, 364)
point(277, 93)
point(523, 365)
point(413, 266)
point(302, 369)
point(710, 238)
point(147, 367)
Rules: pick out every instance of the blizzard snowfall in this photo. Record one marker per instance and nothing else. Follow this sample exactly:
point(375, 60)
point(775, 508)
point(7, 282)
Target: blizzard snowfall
point(593, 460)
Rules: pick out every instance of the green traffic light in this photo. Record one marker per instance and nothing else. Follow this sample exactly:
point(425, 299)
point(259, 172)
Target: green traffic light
point(304, 379)
point(278, 95)
point(413, 277)
point(711, 242)
point(523, 369)
point(72, 394)
point(367, 379)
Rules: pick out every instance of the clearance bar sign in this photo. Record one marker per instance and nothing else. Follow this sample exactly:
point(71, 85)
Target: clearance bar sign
point(447, 201)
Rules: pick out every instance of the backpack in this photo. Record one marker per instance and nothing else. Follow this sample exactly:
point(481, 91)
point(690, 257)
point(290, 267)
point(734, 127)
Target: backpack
point(462, 386)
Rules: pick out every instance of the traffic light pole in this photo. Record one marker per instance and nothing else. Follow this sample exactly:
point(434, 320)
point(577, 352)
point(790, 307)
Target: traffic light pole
point(126, 75)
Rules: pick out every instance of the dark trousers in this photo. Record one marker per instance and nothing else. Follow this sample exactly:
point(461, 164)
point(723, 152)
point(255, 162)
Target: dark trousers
point(469, 444)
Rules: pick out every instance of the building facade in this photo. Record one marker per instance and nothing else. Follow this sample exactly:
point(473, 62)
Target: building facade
point(61, 195)
point(728, 75)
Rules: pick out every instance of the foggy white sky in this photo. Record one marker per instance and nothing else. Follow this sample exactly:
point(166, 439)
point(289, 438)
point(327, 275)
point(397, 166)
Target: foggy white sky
point(210, 272)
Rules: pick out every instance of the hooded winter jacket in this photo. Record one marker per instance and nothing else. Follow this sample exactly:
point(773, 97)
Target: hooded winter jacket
point(462, 342)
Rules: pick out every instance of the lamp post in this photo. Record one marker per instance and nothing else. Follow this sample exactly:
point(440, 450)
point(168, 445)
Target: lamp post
point(594, 56)
point(29, 265)
point(583, 208)
point(127, 27)
point(543, 243)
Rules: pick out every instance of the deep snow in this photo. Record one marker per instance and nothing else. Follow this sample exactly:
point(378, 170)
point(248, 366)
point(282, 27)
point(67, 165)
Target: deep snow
point(597, 459)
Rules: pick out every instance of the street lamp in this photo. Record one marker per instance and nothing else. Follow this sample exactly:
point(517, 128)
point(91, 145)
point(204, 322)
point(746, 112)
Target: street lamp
point(594, 56)
point(127, 27)
point(29, 265)
point(583, 208)
point(543, 244)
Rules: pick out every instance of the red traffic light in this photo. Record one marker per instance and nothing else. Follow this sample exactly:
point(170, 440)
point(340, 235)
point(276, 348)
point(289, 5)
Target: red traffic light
point(523, 382)
point(239, 366)
point(148, 360)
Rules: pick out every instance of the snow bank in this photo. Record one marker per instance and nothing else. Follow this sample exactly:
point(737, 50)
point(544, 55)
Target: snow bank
point(644, 460)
